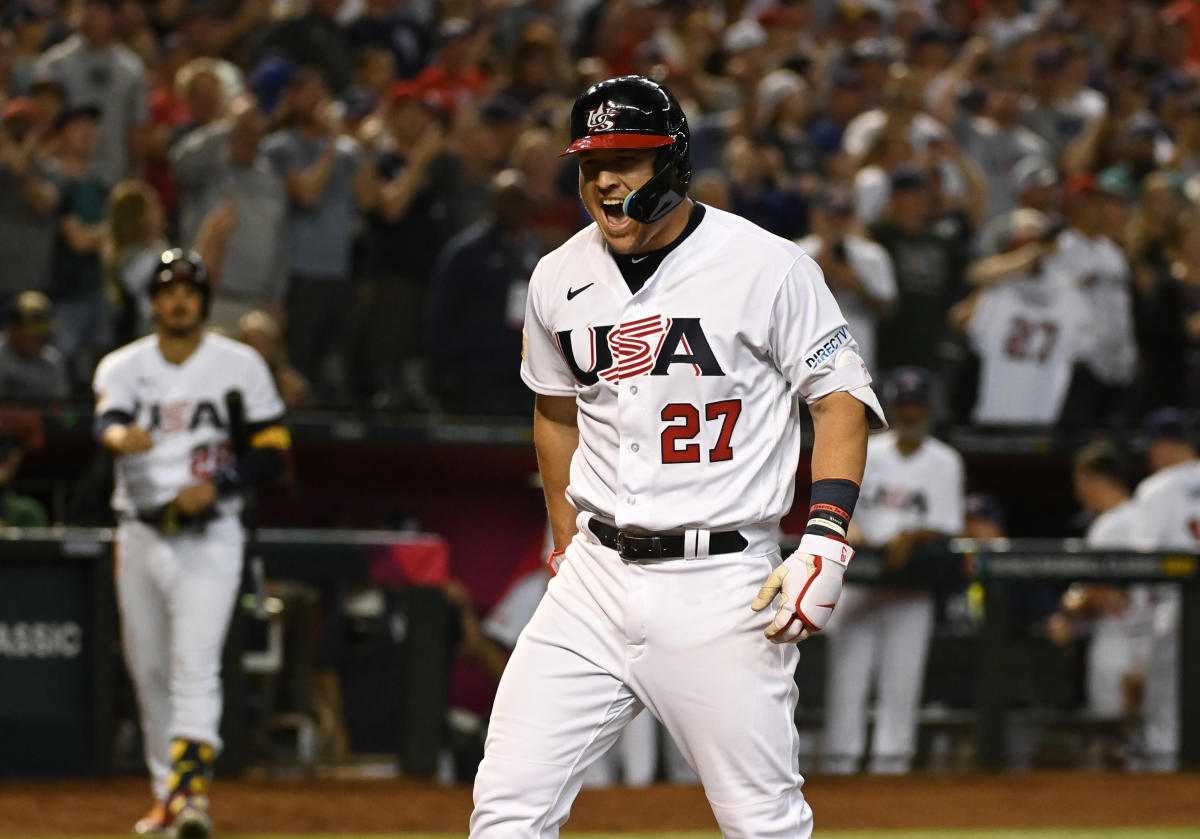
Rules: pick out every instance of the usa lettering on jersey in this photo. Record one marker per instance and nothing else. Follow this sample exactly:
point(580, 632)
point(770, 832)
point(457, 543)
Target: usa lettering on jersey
point(647, 346)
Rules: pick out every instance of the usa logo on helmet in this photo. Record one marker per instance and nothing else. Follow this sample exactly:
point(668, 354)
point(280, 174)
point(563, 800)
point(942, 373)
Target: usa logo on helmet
point(601, 118)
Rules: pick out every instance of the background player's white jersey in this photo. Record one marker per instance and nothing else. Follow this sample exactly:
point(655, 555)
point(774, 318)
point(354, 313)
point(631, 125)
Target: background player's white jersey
point(675, 404)
point(1168, 516)
point(871, 263)
point(1028, 333)
point(183, 407)
point(921, 491)
point(1097, 268)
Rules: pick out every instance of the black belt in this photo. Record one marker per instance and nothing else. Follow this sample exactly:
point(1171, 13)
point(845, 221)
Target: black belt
point(639, 546)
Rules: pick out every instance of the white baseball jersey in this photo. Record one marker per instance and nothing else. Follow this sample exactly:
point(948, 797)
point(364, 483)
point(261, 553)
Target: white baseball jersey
point(1028, 332)
point(1168, 509)
point(920, 491)
point(1098, 269)
point(871, 263)
point(687, 390)
point(183, 408)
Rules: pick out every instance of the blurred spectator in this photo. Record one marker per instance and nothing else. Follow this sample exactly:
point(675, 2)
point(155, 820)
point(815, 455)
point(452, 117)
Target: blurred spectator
point(1092, 263)
point(1035, 184)
point(261, 331)
point(222, 167)
point(996, 141)
point(98, 72)
point(133, 241)
point(328, 179)
point(454, 78)
point(374, 75)
point(405, 230)
point(928, 275)
point(784, 109)
point(315, 39)
point(84, 327)
point(845, 101)
point(554, 211)
point(760, 190)
point(899, 114)
point(30, 367)
point(477, 307)
point(390, 25)
point(857, 270)
point(16, 510)
point(538, 67)
point(27, 197)
point(1026, 328)
point(912, 495)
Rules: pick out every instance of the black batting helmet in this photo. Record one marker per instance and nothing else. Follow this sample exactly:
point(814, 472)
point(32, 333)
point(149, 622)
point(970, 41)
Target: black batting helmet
point(178, 265)
point(633, 112)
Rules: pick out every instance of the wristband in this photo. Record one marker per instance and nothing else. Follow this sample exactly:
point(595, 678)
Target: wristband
point(555, 561)
point(831, 504)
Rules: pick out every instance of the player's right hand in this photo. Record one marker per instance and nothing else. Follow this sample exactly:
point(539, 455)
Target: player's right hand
point(809, 583)
point(130, 439)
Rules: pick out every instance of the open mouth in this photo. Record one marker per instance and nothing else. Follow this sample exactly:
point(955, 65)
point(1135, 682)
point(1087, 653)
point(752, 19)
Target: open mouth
point(614, 213)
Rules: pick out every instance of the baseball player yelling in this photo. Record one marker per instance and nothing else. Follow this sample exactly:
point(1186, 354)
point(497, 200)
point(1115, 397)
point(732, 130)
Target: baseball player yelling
point(167, 406)
point(669, 345)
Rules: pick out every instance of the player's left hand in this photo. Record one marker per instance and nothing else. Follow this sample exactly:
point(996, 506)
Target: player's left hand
point(809, 583)
point(196, 498)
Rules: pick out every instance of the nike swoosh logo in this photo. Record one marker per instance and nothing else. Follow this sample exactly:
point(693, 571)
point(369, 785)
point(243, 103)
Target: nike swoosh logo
point(571, 292)
point(635, 260)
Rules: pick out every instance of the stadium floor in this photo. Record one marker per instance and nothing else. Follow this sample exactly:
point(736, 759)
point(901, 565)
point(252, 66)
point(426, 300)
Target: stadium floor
point(1067, 805)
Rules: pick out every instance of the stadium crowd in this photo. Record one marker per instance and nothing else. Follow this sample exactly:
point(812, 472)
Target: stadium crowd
point(1002, 191)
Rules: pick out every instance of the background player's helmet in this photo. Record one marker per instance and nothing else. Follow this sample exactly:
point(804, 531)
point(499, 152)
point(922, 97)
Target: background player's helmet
point(910, 386)
point(181, 266)
point(633, 112)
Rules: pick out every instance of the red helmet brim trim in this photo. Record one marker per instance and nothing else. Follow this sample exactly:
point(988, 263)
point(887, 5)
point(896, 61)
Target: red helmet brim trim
point(619, 141)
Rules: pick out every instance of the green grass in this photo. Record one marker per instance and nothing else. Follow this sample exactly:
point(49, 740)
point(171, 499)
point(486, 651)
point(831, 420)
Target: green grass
point(981, 833)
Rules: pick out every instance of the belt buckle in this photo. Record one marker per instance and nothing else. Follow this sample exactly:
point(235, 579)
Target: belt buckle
point(621, 544)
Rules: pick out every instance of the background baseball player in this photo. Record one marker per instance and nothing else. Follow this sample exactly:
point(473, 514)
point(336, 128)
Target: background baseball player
point(669, 344)
point(1117, 619)
point(912, 494)
point(1168, 518)
point(167, 405)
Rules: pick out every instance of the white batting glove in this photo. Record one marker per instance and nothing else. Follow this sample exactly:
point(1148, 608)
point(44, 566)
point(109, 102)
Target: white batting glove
point(810, 583)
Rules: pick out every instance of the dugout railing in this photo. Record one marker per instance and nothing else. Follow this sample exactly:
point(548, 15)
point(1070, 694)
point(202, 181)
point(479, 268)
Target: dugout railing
point(58, 633)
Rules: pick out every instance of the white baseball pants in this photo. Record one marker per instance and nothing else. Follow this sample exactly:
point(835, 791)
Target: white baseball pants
point(880, 636)
point(176, 597)
point(677, 637)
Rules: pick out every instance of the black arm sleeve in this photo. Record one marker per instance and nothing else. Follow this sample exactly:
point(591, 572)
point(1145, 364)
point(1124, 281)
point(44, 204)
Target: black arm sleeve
point(111, 417)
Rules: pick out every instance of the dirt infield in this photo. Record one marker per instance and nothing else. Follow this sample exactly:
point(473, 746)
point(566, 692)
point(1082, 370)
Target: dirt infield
point(919, 801)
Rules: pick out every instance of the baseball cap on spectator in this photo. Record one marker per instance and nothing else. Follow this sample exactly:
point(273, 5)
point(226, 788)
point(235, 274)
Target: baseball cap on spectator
point(76, 112)
point(982, 505)
point(744, 35)
point(931, 32)
point(18, 109)
point(1078, 184)
point(453, 28)
point(33, 311)
point(501, 109)
point(269, 79)
point(1115, 182)
point(45, 84)
point(835, 198)
point(777, 86)
point(869, 49)
point(1141, 126)
point(909, 386)
point(907, 176)
point(1166, 424)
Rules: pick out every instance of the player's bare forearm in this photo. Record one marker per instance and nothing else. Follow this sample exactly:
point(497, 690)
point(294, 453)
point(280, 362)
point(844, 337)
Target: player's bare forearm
point(839, 437)
point(556, 436)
